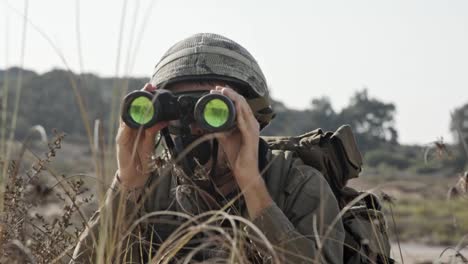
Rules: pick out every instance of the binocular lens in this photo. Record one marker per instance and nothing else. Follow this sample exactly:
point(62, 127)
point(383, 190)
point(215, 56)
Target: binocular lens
point(141, 110)
point(216, 113)
point(212, 112)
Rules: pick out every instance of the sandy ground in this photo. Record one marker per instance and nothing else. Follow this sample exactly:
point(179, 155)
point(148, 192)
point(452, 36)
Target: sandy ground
point(418, 253)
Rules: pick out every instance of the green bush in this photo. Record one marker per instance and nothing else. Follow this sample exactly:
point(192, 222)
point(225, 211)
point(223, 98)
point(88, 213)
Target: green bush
point(434, 221)
point(377, 157)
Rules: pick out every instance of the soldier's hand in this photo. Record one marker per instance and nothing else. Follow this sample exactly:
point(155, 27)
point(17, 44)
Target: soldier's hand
point(134, 150)
point(241, 149)
point(241, 145)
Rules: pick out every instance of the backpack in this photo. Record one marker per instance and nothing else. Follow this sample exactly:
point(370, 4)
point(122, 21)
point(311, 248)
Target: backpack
point(337, 157)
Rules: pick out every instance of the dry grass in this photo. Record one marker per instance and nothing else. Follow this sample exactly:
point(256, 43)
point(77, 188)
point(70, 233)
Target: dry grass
point(30, 233)
point(25, 232)
point(27, 236)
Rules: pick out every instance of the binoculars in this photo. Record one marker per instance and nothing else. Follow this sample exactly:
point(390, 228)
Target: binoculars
point(211, 112)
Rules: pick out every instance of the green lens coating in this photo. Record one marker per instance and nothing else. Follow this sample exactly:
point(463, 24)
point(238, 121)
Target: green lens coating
point(141, 110)
point(216, 113)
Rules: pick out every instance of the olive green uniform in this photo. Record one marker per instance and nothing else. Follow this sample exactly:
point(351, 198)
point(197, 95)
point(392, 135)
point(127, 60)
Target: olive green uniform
point(304, 207)
point(301, 221)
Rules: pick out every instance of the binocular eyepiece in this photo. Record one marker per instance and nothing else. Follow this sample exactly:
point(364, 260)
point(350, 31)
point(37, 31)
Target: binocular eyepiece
point(211, 112)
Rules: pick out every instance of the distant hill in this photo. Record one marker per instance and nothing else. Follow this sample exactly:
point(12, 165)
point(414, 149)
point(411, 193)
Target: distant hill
point(48, 99)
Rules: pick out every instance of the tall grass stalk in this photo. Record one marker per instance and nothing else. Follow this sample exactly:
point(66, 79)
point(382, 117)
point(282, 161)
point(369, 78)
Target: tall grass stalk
point(115, 95)
point(19, 86)
point(4, 99)
point(395, 230)
point(71, 77)
point(114, 229)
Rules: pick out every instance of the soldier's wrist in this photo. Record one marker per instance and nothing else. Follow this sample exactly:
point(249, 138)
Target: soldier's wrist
point(129, 181)
point(247, 177)
point(132, 193)
point(257, 198)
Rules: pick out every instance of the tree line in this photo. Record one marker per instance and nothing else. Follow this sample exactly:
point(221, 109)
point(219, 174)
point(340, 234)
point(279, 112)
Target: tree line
point(49, 99)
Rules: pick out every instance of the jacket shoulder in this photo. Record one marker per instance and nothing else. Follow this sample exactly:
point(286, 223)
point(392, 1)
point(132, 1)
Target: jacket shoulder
point(286, 175)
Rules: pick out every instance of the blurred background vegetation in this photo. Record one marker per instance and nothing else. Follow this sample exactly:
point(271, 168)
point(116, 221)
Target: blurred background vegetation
point(418, 177)
point(48, 100)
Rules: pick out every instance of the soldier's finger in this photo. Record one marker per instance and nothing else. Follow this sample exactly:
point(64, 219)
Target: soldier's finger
point(250, 116)
point(157, 127)
point(229, 92)
point(149, 87)
point(247, 119)
point(216, 91)
point(125, 134)
point(242, 122)
point(148, 139)
point(238, 99)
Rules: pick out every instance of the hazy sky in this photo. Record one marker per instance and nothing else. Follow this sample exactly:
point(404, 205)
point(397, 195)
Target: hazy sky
point(411, 53)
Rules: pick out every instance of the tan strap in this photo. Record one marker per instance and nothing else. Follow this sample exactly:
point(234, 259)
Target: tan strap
point(265, 118)
point(257, 104)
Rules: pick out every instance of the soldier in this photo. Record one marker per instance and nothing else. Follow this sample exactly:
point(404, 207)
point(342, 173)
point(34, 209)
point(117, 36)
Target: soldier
point(289, 202)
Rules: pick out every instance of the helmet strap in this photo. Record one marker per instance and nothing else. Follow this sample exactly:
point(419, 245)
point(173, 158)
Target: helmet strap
point(214, 157)
point(197, 155)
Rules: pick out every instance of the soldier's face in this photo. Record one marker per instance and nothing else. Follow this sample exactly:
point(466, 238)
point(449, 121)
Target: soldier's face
point(222, 166)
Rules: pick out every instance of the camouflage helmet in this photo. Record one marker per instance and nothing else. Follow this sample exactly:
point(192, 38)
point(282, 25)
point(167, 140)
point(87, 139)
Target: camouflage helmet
point(211, 57)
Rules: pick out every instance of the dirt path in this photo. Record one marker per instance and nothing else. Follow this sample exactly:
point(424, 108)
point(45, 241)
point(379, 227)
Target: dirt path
point(418, 253)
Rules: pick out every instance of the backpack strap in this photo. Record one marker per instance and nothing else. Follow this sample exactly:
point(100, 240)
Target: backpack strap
point(366, 239)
